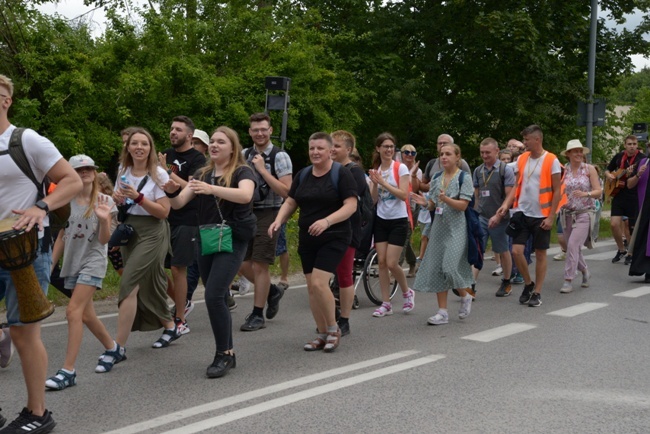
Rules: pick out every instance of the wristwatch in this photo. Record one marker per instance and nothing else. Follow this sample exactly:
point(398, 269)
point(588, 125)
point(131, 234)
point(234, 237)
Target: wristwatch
point(42, 205)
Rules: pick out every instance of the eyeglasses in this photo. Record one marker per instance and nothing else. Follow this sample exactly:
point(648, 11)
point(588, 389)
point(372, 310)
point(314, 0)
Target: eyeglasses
point(259, 130)
point(388, 146)
point(410, 153)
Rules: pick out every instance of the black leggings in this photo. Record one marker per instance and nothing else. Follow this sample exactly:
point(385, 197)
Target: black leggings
point(217, 272)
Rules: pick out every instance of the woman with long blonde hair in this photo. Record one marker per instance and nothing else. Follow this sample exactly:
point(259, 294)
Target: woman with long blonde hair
point(92, 216)
point(224, 188)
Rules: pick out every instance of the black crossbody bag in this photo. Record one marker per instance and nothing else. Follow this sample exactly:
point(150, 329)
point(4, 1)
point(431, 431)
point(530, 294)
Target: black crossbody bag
point(124, 232)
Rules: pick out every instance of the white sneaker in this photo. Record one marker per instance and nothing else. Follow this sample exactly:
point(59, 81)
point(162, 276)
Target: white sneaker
point(498, 271)
point(585, 279)
point(440, 318)
point(465, 307)
point(566, 287)
point(560, 256)
point(244, 285)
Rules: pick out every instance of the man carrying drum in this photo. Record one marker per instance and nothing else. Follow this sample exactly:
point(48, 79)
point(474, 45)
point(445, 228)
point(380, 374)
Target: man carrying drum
point(19, 196)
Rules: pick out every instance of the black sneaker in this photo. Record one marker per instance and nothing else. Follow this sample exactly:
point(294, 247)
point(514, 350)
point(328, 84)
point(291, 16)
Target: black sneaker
point(232, 304)
point(273, 301)
point(619, 256)
point(535, 300)
point(505, 289)
point(345, 328)
point(221, 365)
point(628, 260)
point(26, 422)
point(3, 420)
point(527, 293)
point(253, 323)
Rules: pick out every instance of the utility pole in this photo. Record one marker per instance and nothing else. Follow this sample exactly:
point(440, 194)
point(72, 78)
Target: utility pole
point(591, 77)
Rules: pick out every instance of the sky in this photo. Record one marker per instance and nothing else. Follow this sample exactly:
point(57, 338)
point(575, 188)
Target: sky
point(75, 8)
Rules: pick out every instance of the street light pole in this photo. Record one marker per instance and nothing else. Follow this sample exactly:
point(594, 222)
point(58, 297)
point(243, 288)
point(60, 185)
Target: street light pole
point(591, 77)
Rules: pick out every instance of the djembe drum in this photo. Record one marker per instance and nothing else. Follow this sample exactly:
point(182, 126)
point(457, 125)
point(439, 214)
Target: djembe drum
point(17, 254)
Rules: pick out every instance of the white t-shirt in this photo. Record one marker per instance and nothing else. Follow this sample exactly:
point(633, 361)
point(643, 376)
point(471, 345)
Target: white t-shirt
point(16, 189)
point(389, 207)
point(151, 190)
point(529, 196)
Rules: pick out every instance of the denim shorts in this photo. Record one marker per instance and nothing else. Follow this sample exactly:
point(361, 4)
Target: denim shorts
point(42, 265)
point(497, 234)
point(83, 279)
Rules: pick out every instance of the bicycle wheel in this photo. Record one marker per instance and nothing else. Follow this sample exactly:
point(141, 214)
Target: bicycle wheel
point(371, 279)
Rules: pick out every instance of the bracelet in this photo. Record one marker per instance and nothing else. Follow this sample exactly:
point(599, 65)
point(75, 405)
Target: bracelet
point(328, 223)
point(174, 194)
point(138, 200)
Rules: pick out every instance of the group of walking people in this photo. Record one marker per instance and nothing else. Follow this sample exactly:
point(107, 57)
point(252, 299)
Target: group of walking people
point(254, 192)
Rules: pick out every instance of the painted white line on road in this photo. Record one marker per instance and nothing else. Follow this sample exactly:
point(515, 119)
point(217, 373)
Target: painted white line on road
point(578, 309)
point(113, 315)
point(634, 293)
point(500, 332)
point(108, 315)
point(604, 256)
point(253, 394)
point(300, 396)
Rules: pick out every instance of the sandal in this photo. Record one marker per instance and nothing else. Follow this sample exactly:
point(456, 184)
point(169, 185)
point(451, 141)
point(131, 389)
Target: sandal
point(332, 341)
point(110, 358)
point(315, 345)
point(167, 338)
point(61, 380)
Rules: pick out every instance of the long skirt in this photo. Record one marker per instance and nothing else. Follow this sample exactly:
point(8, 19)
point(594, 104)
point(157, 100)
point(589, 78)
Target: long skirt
point(144, 259)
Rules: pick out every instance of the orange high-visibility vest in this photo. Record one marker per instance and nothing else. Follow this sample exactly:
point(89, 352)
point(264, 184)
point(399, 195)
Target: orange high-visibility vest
point(545, 183)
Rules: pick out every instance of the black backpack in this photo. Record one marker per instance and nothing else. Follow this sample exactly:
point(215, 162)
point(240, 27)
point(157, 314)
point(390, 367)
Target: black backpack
point(365, 205)
point(262, 189)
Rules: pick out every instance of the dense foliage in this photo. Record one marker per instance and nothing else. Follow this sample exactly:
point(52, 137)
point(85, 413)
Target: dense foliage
point(416, 68)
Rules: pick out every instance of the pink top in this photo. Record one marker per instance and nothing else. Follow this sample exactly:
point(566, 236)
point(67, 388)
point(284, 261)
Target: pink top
point(580, 182)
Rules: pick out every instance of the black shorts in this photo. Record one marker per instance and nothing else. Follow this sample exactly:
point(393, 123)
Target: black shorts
point(531, 226)
point(624, 205)
point(184, 240)
point(323, 252)
point(391, 231)
point(261, 248)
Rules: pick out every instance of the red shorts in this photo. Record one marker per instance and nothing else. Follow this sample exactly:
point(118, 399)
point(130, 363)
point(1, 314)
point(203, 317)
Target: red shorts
point(344, 270)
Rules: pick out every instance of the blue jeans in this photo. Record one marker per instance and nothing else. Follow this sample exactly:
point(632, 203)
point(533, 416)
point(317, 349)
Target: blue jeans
point(42, 265)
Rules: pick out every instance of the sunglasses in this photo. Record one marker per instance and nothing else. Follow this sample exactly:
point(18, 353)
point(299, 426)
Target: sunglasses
point(410, 153)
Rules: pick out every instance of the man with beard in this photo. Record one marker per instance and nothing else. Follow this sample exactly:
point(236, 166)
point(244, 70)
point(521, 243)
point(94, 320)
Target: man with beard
point(182, 161)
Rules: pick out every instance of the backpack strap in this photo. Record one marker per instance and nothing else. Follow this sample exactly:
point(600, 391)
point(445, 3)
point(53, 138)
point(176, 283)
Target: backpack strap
point(17, 153)
point(334, 175)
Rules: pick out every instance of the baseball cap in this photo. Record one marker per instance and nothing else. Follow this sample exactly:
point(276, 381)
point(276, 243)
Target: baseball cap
point(81, 160)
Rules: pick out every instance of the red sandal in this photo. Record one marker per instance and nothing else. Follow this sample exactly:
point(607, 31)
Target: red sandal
point(332, 341)
point(315, 345)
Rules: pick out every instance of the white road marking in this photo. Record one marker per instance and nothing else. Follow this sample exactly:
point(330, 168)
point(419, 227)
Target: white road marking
point(500, 332)
point(232, 400)
point(578, 309)
point(634, 293)
point(113, 315)
point(299, 396)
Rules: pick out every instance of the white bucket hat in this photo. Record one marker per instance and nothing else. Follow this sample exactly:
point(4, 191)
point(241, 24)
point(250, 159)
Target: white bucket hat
point(574, 144)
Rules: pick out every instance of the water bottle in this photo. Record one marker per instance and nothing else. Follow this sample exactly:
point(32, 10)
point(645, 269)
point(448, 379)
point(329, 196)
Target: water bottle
point(125, 181)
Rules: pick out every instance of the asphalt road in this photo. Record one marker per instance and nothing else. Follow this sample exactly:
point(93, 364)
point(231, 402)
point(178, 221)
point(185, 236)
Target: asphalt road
point(576, 364)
